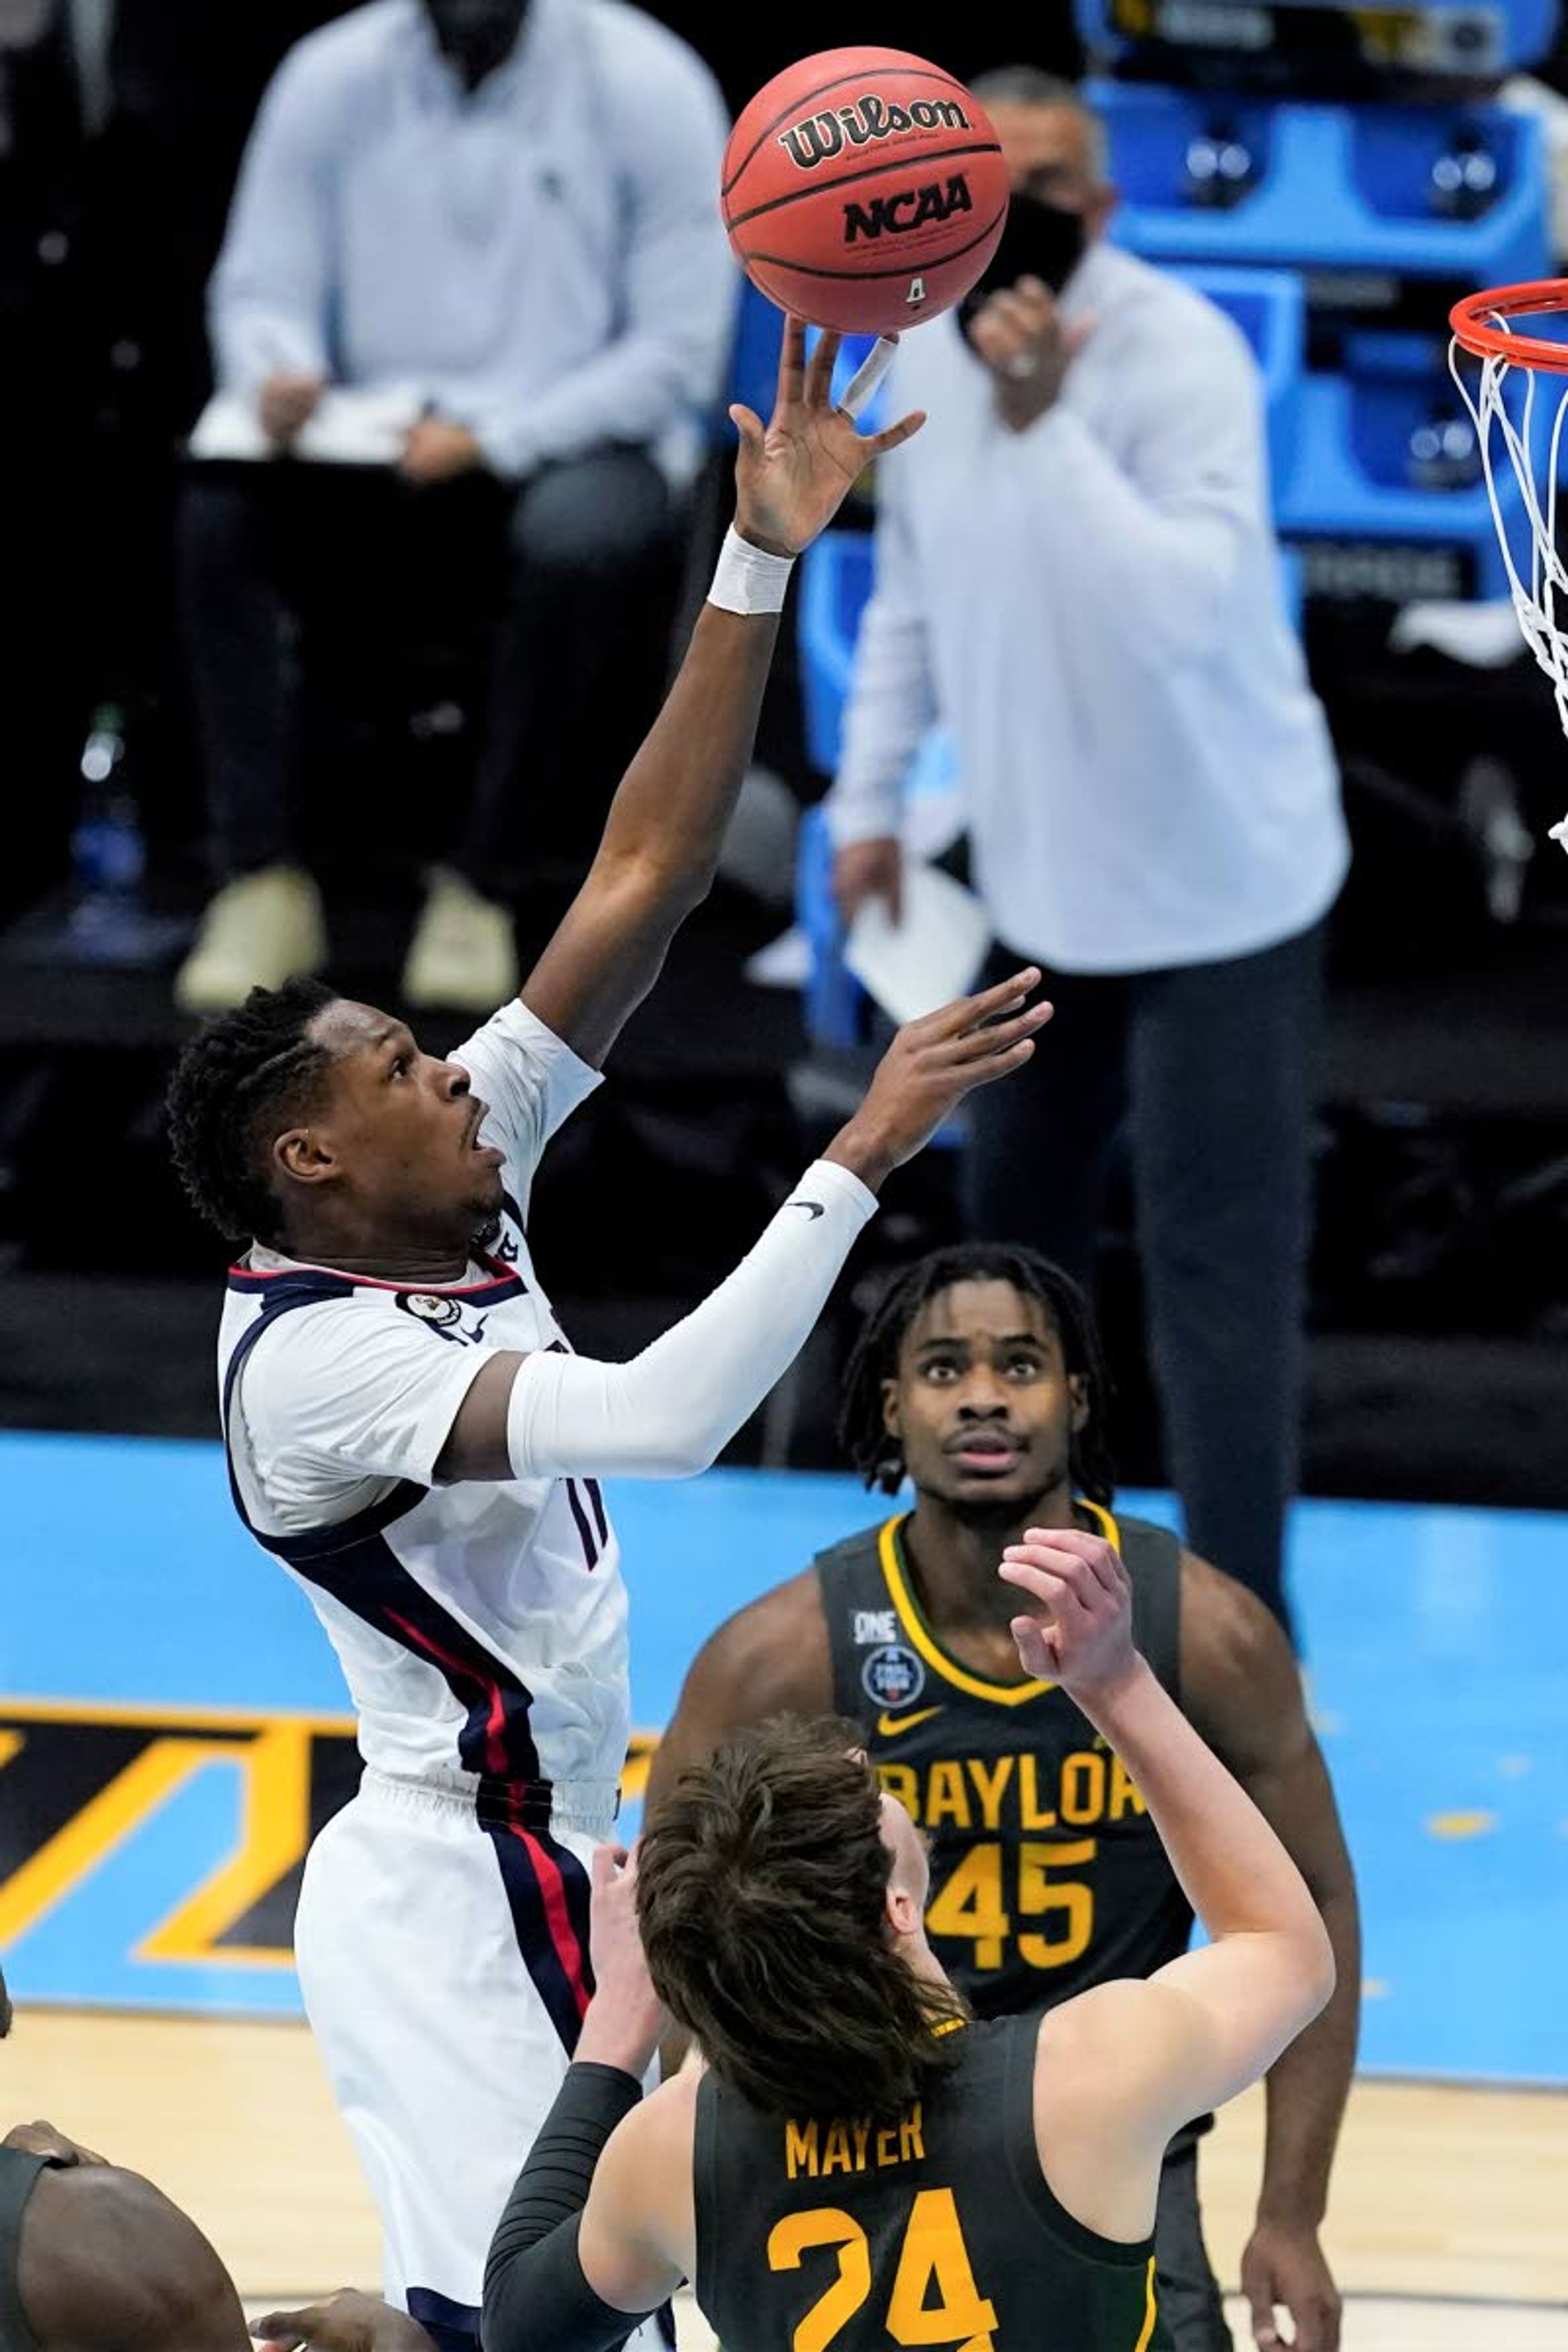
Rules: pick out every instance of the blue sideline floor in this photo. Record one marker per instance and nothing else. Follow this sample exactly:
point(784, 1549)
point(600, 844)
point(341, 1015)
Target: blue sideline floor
point(150, 1801)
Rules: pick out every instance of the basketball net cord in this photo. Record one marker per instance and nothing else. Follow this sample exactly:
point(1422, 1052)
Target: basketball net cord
point(1536, 607)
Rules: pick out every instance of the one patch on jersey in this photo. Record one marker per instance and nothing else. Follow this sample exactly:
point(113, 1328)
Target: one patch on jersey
point(430, 1307)
point(875, 1625)
point(893, 1675)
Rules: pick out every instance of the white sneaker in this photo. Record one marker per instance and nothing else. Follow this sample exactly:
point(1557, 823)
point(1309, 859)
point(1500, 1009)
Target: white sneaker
point(257, 933)
point(463, 955)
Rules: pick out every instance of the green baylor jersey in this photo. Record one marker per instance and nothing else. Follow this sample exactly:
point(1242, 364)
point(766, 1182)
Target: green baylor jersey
point(1048, 1875)
point(935, 2228)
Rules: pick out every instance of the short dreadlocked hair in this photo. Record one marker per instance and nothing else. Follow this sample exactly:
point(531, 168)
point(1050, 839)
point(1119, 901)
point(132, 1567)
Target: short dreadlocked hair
point(878, 1456)
point(237, 1083)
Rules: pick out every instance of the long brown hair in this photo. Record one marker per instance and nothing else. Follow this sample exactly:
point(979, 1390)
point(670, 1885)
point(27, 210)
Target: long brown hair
point(761, 1880)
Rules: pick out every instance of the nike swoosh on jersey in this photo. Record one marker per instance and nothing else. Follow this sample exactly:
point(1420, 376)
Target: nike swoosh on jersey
point(890, 1727)
point(812, 1208)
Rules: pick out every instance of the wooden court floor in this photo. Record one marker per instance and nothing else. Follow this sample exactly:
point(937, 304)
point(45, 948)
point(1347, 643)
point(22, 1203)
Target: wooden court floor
point(1449, 2230)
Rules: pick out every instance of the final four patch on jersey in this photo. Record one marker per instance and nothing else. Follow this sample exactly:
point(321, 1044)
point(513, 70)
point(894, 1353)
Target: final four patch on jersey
point(429, 1307)
point(893, 1675)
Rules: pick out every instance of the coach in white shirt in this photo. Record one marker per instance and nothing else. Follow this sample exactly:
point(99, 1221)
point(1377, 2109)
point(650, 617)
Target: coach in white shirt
point(499, 217)
point(1075, 573)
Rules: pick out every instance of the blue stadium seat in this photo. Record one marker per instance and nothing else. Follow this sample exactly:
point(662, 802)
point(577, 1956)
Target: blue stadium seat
point(1329, 188)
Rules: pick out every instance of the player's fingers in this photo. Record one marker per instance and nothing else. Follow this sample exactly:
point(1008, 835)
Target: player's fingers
point(605, 1867)
point(288, 2328)
point(1103, 1559)
point(749, 425)
point(1055, 1591)
point(968, 1012)
point(1074, 1574)
point(893, 436)
point(791, 361)
point(1036, 1652)
point(989, 1037)
point(819, 374)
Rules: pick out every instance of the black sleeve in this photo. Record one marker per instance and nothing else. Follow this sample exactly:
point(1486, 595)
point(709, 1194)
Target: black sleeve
point(535, 2292)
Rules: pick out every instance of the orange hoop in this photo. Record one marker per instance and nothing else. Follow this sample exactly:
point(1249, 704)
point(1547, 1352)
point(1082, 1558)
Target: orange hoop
point(1473, 323)
point(1501, 402)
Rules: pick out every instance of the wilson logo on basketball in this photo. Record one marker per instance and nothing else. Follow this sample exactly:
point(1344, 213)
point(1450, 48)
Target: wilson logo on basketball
point(822, 136)
point(909, 208)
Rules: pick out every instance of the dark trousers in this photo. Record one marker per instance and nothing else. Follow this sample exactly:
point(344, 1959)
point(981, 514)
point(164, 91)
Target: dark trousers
point(555, 586)
point(1191, 2311)
point(1212, 1066)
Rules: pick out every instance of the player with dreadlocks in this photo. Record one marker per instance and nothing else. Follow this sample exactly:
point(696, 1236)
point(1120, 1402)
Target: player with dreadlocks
point(978, 1377)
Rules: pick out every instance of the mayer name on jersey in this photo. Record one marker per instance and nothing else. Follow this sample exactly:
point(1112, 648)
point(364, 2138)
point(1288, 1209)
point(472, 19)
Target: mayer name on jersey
point(1048, 1875)
point(936, 2228)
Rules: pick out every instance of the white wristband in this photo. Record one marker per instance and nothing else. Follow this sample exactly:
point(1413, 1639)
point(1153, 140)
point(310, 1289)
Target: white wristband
point(747, 579)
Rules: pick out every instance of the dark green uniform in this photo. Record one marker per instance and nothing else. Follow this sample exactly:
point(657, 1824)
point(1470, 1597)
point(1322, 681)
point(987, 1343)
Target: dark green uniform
point(936, 2229)
point(1048, 1875)
point(18, 2175)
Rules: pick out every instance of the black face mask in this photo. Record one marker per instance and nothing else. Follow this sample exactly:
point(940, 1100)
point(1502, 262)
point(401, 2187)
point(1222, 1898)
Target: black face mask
point(1039, 240)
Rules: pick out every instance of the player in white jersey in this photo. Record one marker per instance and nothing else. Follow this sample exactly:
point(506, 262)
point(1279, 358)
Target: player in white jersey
point(408, 1433)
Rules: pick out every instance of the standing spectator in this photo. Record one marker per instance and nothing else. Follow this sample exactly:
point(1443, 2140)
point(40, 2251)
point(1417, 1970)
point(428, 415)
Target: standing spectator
point(1077, 573)
point(506, 206)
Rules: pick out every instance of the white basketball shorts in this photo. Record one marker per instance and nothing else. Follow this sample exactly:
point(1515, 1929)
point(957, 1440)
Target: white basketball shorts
point(443, 1955)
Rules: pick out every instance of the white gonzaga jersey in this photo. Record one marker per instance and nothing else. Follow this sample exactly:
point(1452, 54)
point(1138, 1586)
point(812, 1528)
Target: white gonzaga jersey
point(482, 1626)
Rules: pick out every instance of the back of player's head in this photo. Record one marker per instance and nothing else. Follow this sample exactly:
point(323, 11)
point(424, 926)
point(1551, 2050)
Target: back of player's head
point(875, 1452)
point(762, 1895)
point(239, 1082)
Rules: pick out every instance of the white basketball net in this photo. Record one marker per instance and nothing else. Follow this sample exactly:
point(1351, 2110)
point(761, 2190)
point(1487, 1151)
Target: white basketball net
point(1540, 590)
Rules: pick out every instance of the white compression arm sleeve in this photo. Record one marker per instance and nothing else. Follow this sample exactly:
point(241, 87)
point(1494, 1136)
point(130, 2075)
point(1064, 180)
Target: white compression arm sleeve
point(667, 1412)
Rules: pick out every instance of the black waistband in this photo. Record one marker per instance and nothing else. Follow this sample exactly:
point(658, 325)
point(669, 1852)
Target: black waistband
point(502, 1804)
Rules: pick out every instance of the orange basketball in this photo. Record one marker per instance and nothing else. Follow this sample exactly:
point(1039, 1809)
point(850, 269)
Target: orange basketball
point(863, 189)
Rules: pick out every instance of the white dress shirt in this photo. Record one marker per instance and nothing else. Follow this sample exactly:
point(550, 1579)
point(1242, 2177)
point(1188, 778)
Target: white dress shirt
point(543, 259)
point(1092, 609)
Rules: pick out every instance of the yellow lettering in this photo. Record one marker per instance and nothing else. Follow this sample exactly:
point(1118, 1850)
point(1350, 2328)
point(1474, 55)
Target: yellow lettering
point(835, 2156)
point(1125, 1795)
point(947, 1800)
point(1083, 1789)
point(911, 2143)
point(1068, 1904)
point(901, 1781)
point(800, 2147)
point(802, 2233)
point(990, 1781)
point(935, 2299)
point(1031, 1813)
point(862, 2135)
point(886, 2150)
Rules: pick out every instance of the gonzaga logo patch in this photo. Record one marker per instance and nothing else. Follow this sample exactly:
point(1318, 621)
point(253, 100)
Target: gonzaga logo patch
point(429, 1307)
point(893, 1675)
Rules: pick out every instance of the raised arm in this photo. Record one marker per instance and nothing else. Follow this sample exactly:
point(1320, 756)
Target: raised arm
point(1152, 2055)
point(667, 1412)
point(1242, 1689)
point(660, 847)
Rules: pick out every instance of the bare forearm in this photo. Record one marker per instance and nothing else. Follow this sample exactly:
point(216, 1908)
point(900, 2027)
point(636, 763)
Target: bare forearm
point(1234, 1870)
point(676, 799)
point(1308, 2086)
